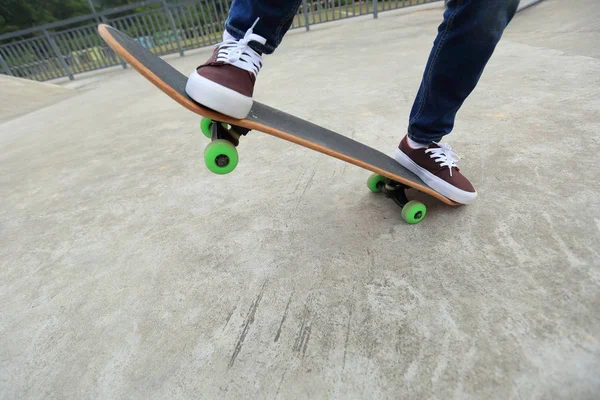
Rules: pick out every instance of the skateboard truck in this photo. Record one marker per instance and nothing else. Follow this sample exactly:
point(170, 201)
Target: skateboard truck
point(413, 211)
point(224, 131)
point(395, 191)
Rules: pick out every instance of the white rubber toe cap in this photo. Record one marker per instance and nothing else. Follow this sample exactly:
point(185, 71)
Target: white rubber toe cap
point(217, 97)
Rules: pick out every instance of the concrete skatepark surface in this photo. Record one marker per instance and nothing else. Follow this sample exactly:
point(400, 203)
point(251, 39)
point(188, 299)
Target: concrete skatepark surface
point(127, 270)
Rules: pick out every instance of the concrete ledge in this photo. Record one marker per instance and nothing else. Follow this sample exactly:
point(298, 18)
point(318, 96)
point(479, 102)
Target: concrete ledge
point(20, 96)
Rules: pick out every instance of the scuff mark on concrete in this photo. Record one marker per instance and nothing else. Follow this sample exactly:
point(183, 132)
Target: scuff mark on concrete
point(246, 326)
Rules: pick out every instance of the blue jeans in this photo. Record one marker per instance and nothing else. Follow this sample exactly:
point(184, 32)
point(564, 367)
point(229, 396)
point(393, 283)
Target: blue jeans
point(465, 41)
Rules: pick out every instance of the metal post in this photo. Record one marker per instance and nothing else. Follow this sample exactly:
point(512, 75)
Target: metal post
point(172, 22)
point(93, 10)
point(305, 11)
point(375, 8)
point(58, 54)
point(5, 66)
point(91, 5)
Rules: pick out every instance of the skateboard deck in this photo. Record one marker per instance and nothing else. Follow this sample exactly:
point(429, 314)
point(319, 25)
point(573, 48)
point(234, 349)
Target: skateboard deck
point(272, 121)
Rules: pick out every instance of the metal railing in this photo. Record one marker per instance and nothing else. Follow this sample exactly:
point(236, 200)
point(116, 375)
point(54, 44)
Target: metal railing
point(70, 47)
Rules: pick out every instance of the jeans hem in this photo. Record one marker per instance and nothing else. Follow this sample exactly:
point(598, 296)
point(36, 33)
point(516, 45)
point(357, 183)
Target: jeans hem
point(424, 140)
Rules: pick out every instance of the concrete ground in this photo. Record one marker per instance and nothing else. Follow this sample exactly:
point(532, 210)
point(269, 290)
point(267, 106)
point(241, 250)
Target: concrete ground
point(129, 271)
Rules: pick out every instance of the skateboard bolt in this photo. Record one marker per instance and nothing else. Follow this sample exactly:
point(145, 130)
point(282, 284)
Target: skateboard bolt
point(222, 160)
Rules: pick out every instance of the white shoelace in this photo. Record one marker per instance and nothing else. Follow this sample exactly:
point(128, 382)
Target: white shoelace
point(238, 53)
point(444, 156)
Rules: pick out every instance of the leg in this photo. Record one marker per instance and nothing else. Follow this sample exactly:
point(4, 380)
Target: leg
point(465, 42)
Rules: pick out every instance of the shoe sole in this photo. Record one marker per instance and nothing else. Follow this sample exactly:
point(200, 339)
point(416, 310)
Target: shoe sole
point(217, 97)
point(434, 182)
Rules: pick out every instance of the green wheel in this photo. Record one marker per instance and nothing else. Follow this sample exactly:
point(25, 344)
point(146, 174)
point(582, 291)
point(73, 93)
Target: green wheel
point(374, 181)
point(220, 157)
point(205, 126)
point(413, 212)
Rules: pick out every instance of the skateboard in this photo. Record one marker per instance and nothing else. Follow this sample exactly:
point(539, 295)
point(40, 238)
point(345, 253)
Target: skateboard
point(221, 156)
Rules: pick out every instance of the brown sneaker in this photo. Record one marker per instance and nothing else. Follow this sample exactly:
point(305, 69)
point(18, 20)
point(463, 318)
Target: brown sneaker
point(436, 166)
point(225, 83)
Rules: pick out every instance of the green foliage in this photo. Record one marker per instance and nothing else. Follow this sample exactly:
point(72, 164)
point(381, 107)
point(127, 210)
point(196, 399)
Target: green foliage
point(23, 14)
